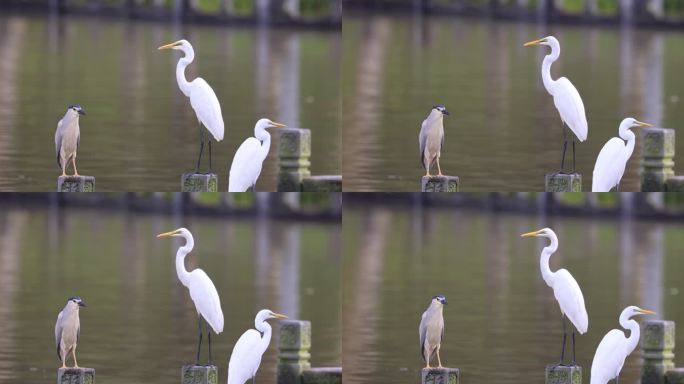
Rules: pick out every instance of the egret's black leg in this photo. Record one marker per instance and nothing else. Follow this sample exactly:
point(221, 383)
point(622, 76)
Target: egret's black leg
point(617, 187)
point(253, 379)
point(199, 159)
point(199, 346)
point(209, 334)
point(617, 379)
point(573, 155)
point(564, 337)
point(565, 145)
point(209, 154)
point(574, 362)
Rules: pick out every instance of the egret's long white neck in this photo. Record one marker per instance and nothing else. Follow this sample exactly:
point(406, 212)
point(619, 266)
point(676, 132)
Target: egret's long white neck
point(265, 329)
point(183, 274)
point(631, 141)
point(634, 331)
point(549, 250)
point(546, 68)
point(265, 138)
point(183, 84)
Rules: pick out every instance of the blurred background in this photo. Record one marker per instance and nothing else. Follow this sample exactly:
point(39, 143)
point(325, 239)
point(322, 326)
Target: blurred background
point(276, 59)
point(401, 57)
point(502, 323)
point(140, 324)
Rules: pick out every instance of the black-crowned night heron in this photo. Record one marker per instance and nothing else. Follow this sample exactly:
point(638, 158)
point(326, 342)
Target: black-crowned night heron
point(246, 357)
point(431, 330)
point(202, 291)
point(67, 137)
point(202, 98)
point(67, 329)
point(431, 138)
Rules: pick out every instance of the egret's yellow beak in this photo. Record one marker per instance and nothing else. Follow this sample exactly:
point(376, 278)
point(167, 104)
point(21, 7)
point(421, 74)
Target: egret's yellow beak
point(534, 42)
point(277, 125)
point(167, 234)
point(169, 46)
point(530, 234)
point(646, 312)
point(278, 316)
point(642, 124)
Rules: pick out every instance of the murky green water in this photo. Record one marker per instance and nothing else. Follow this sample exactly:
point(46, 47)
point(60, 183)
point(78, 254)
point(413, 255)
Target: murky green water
point(504, 132)
point(141, 133)
point(502, 324)
point(140, 325)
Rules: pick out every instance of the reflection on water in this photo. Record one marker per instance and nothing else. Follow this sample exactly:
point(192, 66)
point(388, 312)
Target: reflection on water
point(502, 324)
point(504, 132)
point(141, 133)
point(140, 324)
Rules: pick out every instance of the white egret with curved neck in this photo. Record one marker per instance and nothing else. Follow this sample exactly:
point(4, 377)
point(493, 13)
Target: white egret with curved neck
point(247, 162)
point(615, 347)
point(202, 291)
point(202, 98)
point(612, 160)
point(565, 97)
point(250, 347)
point(565, 289)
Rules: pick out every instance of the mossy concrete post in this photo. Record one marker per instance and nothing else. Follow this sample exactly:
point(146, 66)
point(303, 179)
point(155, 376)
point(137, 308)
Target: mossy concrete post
point(323, 183)
point(294, 151)
point(76, 184)
point(675, 376)
point(199, 374)
point(563, 374)
point(322, 375)
point(657, 151)
point(197, 182)
point(294, 356)
point(76, 376)
point(563, 182)
point(440, 376)
point(657, 342)
point(439, 184)
point(674, 184)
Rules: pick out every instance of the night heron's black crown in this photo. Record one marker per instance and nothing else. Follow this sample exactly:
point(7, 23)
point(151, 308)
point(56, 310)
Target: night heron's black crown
point(440, 298)
point(441, 108)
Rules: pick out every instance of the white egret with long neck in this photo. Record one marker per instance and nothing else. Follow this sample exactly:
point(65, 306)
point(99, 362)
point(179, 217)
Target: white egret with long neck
point(612, 160)
point(202, 98)
point(250, 156)
point(250, 347)
point(565, 97)
point(615, 347)
point(202, 291)
point(565, 289)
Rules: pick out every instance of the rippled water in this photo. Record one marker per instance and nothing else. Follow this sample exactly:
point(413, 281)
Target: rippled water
point(502, 324)
point(140, 325)
point(141, 133)
point(504, 132)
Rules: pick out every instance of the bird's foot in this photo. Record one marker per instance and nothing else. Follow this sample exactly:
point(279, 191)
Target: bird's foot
point(76, 174)
point(440, 174)
point(428, 175)
point(440, 366)
point(76, 366)
point(428, 366)
point(64, 366)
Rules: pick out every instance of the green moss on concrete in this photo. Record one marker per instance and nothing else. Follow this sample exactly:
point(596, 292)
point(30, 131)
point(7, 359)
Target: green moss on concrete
point(199, 374)
point(440, 376)
point(294, 151)
point(76, 376)
point(556, 374)
point(563, 182)
point(76, 184)
point(657, 151)
point(675, 376)
point(325, 183)
point(195, 182)
point(439, 184)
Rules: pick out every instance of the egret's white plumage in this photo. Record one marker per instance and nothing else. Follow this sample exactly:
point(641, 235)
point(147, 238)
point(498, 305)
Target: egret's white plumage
point(565, 288)
point(612, 160)
point(615, 347)
point(250, 347)
point(202, 97)
point(250, 156)
point(565, 96)
point(202, 290)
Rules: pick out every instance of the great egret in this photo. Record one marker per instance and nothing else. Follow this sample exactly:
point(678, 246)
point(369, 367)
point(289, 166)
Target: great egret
point(615, 347)
point(612, 160)
point(67, 137)
point(202, 98)
point(565, 289)
point(431, 138)
point(67, 330)
point(565, 97)
point(202, 290)
point(246, 357)
point(431, 330)
point(246, 166)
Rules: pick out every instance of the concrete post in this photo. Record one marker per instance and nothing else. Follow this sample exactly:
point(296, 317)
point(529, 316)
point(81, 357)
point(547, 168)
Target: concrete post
point(76, 376)
point(439, 184)
point(563, 182)
point(658, 150)
point(324, 375)
point(294, 151)
point(675, 376)
point(196, 182)
point(657, 342)
point(199, 374)
point(560, 374)
point(440, 376)
point(76, 184)
point(295, 342)
point(323, 183)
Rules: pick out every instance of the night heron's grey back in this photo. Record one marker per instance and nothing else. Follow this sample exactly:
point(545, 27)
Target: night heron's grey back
point(431, 137)
point(67, 137)
point(431, 329)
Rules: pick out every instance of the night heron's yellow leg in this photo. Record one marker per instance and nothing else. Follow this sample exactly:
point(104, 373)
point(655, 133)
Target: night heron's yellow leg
point(63, 171)
point(73, 353)
point(73, 161)
point(439, 170)
point(439, 361)
point(63, 361)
